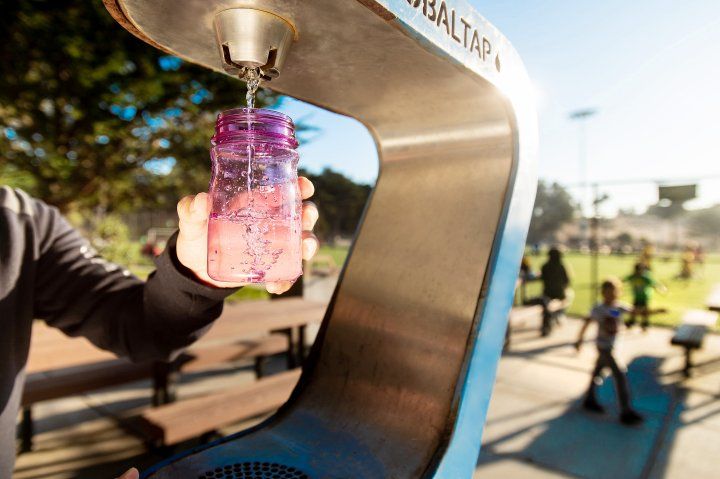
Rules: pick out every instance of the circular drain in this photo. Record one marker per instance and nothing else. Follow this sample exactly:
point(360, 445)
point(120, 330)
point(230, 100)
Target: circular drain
point(254, 470)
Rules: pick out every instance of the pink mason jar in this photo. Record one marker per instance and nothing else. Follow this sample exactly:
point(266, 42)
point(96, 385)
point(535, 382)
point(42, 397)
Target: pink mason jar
point(254, 229)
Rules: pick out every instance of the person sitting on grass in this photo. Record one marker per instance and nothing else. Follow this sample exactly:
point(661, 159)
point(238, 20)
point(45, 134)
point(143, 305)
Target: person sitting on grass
point(608, 315)
point(642, 284)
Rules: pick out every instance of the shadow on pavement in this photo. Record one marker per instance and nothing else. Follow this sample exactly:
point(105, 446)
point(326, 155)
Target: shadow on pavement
point(587, 445)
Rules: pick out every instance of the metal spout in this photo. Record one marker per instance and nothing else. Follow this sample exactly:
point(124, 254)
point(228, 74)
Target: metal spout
point(250, 38)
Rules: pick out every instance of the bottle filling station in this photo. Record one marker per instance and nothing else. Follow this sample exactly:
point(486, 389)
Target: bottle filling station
point(400, 377)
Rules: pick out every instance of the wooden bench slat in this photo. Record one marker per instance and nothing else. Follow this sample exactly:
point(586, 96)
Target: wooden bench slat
point(201, 358)
point(190, 418)
point(523, 313)
point(50, 349)
point(242, 322)
point(80, 379)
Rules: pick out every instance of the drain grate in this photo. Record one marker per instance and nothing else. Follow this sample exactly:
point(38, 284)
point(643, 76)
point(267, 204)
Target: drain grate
point(254, 470)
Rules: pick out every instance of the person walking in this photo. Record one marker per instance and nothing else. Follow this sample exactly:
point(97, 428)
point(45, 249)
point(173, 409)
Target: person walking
point(608, 316)
point(643, 284)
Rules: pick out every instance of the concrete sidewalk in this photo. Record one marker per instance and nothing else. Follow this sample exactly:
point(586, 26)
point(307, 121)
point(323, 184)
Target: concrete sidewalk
point(536, 428)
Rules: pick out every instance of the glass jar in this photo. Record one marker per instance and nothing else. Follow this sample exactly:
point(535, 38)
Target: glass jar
point(254, 229)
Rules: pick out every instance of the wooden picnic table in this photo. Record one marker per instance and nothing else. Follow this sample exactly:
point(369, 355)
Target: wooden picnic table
point(60, 366)
point(691, 333)
point(51, 350)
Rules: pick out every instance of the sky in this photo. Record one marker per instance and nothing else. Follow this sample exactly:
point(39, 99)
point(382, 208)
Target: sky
point(651, 69)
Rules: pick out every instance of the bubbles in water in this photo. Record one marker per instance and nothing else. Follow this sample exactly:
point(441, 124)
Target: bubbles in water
point(259, 240)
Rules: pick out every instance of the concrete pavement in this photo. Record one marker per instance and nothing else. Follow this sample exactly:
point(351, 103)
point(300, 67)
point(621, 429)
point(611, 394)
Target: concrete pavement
point(535, 427)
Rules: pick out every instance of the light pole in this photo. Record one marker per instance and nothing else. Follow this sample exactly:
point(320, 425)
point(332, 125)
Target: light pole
point(595, 242)
point(581, 116)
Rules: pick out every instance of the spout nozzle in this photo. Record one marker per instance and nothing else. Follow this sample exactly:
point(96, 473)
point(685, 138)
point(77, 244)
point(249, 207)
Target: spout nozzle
point(250, 38)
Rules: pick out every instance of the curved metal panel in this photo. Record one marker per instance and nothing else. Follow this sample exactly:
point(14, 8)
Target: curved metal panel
point(400, 377)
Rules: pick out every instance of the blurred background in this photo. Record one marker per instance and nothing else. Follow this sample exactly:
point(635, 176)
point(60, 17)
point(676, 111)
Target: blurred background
point(113, 133)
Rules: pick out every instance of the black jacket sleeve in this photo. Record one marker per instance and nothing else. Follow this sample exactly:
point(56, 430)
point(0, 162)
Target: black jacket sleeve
point(82, 294)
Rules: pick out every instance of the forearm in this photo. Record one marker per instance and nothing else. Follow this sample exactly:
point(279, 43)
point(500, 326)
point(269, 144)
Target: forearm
point(177, 307)
point(80, 293)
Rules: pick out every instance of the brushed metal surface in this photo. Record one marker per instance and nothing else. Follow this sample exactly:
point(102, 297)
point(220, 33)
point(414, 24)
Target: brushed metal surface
point(247, 37)
point(399, 380)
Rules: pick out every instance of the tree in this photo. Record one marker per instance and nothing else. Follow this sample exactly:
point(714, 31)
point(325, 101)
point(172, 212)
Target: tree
point(340, 202)
point(705, 222)
point(553, 208)
point(90, 115)
point(667, 211)
point(624, 239)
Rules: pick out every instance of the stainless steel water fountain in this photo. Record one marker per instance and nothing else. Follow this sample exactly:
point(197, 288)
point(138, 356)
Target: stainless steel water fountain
point(400, 377)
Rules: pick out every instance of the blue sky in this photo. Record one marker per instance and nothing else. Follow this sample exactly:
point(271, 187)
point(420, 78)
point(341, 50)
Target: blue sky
point(650, 67)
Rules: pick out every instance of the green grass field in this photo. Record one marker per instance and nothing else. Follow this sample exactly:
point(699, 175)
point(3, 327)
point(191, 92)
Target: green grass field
point(681, 294)
point(337, 253)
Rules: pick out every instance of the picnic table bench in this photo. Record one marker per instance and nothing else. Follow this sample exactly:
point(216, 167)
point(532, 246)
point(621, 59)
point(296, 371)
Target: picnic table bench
point(691, 333)
point(182, 420)
point(713, 301)
point(59, 366)
point(521, 314)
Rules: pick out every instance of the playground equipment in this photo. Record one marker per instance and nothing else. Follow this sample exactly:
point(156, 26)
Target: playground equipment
point(400, 377)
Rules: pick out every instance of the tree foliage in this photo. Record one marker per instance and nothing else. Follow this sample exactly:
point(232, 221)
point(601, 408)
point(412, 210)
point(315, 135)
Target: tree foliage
point(705, 222)
point(666, 211)
point(553, 208)
point(340, 202)
point(90, 115)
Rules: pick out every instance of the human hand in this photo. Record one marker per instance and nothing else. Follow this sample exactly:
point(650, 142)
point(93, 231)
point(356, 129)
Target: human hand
point(131, 473)
point(191, 245)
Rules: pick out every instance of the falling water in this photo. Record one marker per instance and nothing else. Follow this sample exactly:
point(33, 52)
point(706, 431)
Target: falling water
point(252, 78)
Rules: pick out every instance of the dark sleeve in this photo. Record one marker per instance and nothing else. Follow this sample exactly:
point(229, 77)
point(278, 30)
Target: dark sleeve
point(565, 277)
point(82, 294)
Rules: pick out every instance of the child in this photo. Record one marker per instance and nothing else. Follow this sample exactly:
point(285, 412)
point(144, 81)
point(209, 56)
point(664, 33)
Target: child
point(642, 284)
point(608, 315)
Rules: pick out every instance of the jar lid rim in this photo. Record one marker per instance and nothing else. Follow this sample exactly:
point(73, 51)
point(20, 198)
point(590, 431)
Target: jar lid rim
point(252, 113)
point(257, 123)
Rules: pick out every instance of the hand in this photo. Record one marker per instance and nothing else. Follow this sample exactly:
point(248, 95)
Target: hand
point(191, 246)
point(131, 473)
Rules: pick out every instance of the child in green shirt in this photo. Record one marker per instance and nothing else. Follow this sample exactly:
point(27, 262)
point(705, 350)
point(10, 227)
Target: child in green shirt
point(642, 284)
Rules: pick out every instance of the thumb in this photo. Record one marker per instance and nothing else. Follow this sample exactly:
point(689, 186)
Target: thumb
point(131, 473)
point(192, 214)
